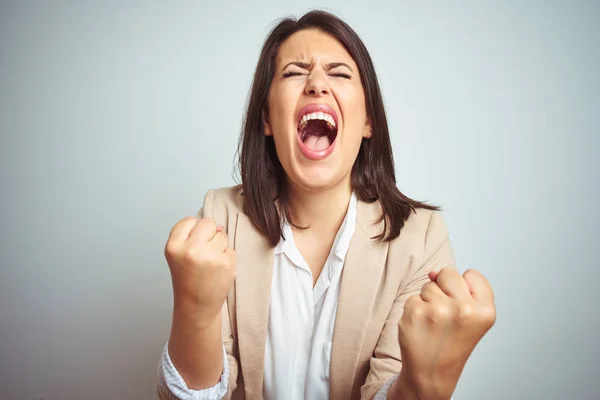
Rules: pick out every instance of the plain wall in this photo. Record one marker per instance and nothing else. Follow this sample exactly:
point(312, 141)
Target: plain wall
point(117, 117)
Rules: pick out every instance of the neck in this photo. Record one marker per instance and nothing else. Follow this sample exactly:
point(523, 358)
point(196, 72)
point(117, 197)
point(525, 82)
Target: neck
point(322, 210)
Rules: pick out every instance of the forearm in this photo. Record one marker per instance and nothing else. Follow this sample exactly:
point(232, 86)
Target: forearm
point(195, 346)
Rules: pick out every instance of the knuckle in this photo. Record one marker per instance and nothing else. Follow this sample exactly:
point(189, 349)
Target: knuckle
point(410, 303)
point(418, 311)
point(464, 313)
point(170, 249)
point(443, 309)
point(439, 313)
point(488, 315)
point(190, 256)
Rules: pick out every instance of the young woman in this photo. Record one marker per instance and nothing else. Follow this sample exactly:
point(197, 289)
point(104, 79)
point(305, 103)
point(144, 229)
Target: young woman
point(316, 278)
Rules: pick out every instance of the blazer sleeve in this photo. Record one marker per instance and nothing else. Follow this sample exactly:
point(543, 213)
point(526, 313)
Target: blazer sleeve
point(207, 212)
point(386, 361)
point(228, 344)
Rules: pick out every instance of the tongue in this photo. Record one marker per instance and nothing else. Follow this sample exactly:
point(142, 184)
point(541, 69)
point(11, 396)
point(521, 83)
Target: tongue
point(317, 143)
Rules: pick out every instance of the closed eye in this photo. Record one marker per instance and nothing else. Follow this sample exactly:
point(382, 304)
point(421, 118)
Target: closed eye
point(341, 75)
point(297, 73)
point(292, 73)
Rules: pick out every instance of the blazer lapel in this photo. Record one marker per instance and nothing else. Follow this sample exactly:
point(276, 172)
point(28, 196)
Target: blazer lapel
point(255, 260)
point(361, 276)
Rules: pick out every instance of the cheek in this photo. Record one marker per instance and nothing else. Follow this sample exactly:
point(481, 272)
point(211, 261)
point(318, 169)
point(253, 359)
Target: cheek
point(282, 102)
point(352, 103)
point(355, 121)
point(279, 111)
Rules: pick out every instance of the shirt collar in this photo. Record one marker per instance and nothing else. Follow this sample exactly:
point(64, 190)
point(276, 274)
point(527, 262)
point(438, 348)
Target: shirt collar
point(286, 242)
point(344, 235)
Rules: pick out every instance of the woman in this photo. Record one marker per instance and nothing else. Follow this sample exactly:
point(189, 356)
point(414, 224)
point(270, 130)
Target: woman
point(317, 278)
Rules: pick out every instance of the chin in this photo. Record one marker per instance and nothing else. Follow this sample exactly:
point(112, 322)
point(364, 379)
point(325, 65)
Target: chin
point(316, 177)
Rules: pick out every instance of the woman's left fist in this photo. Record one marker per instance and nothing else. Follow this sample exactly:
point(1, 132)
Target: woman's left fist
point(440, 328)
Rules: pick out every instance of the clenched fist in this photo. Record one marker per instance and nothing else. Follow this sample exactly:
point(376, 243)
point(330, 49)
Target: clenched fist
point(440, 328)
point(202, 265)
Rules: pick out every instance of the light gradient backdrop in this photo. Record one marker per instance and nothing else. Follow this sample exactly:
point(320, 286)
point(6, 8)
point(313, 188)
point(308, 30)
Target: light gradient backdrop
point(117, 116)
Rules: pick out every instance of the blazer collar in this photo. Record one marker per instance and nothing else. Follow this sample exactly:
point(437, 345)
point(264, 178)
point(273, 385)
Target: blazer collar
point(255, 260)
point(361, 278)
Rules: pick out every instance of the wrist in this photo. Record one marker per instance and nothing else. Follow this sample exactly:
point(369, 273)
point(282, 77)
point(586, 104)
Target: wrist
point(403, 389)
point(409, 386)
point(189, 312)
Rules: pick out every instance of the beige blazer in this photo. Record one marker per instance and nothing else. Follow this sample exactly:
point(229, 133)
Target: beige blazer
point(377, 278)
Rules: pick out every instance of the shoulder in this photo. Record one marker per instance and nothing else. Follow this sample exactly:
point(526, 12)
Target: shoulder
point(425, 223)
point(423, 231)
point(222, 205)
point(228, 197)
point(422, 246)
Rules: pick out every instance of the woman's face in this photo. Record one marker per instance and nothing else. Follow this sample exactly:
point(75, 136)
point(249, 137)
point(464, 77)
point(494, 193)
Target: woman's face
point(317, 113)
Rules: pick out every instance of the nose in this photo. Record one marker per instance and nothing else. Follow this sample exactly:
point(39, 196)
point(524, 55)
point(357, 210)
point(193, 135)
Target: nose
point(317, 85)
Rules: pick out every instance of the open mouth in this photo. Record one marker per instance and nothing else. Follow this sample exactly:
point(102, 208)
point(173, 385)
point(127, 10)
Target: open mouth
point(317, 132)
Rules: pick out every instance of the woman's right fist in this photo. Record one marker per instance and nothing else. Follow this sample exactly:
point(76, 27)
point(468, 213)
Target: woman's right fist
point(202, 264)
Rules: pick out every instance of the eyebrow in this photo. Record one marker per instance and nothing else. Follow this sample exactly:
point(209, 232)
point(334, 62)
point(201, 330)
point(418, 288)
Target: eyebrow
point(329, 66)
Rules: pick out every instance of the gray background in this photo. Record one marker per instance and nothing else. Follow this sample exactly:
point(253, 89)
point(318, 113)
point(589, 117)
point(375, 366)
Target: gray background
point(116, 117)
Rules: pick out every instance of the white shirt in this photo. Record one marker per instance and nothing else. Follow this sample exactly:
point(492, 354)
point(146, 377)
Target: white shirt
point(300, 331)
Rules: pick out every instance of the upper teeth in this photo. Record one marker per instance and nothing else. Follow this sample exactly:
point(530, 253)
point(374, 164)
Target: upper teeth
point(318, 115)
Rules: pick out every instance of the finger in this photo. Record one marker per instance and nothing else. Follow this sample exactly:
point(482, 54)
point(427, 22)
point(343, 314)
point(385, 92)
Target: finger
point(413, 308)
point(181, 230)
point(220, 242)
point(433, 275)
point(451, 283)
point(479, 287)
point(431, 291)
point(412, 303)
point(204, 230)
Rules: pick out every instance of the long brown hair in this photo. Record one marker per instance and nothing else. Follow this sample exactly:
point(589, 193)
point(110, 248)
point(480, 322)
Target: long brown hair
point(263, 177)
